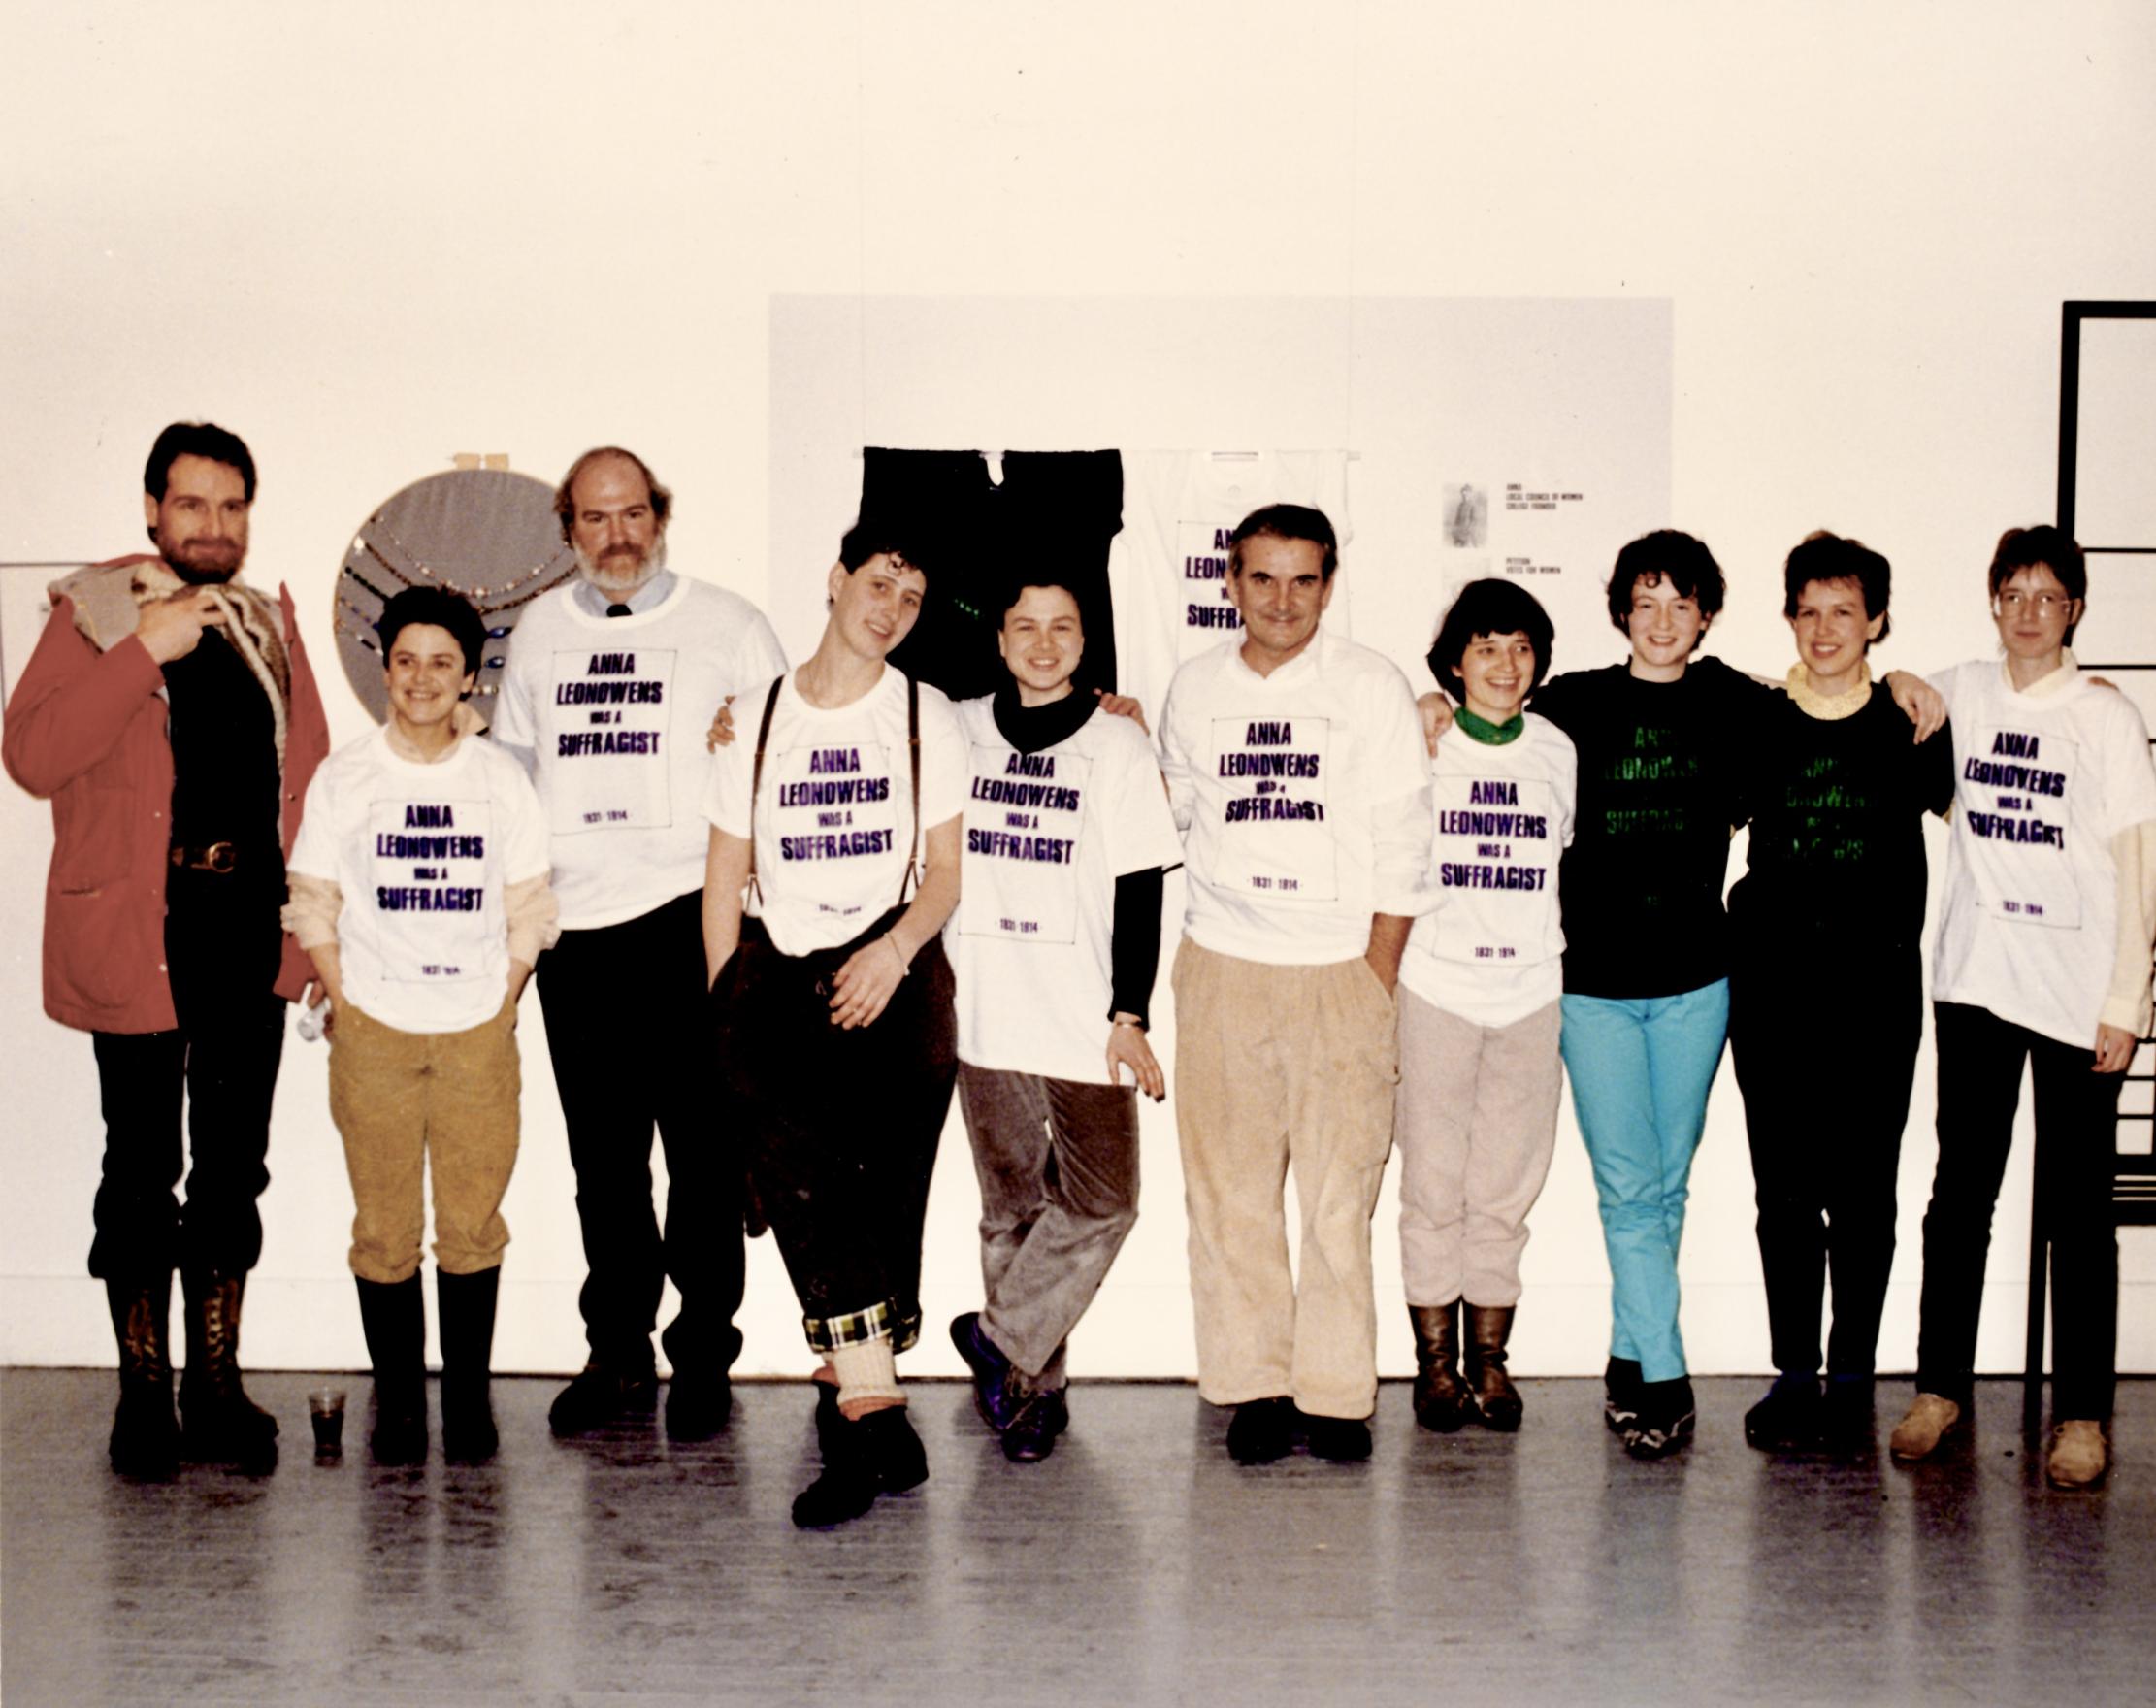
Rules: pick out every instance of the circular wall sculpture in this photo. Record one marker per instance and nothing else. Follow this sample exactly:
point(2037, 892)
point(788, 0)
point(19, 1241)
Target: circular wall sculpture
point(487, 534)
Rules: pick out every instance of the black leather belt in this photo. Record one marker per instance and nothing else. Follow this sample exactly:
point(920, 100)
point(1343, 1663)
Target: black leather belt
point(219, 857)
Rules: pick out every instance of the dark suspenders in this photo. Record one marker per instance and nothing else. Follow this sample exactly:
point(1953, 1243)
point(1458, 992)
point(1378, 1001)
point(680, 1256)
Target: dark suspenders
point(910, 881)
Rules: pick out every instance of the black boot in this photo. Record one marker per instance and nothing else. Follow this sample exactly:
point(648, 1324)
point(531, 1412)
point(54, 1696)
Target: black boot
point(1620, 1394)
point(865, 1456)
point(145, 1437)
point(394, 1316)
point(1442, 1401)
point(467, 1313)
point(1489, 1328)
point(221, 1425)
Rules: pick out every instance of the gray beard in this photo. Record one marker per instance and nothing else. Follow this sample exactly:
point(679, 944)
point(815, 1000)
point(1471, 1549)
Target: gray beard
point(611, 582)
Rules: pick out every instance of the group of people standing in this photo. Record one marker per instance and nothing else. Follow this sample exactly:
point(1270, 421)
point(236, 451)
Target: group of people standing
point(1403, 925)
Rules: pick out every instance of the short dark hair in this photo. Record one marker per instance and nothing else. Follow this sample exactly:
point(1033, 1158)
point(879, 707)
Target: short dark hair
point(1670, 555)
point(2057, 550)
point(1820, 556)
point(437, 607)
point(1491, 606)
point(564, 502)
point(1285, 521)
point(879, 537)
point(196, 439)
point(1011, 589)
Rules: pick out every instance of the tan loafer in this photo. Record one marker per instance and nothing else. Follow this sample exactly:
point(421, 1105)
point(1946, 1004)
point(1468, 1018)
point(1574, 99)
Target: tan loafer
point(1919, 1432)
point(2079, 1454)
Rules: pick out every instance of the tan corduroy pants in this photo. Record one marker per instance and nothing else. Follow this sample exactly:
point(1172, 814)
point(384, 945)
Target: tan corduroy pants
point(405, 1101)
point(1477, 1125)
point(1281, 1068)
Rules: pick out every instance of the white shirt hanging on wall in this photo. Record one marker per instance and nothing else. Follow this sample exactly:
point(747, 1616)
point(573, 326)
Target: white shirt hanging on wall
point(1168, 570)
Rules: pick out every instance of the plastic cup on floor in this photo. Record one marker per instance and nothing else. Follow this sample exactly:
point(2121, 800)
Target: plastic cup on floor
point(325, 1409)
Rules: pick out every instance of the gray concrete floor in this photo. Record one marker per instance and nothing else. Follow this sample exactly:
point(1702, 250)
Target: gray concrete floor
point(1137, 1565)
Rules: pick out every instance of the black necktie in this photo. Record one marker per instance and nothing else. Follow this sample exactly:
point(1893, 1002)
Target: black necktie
point(617, 611)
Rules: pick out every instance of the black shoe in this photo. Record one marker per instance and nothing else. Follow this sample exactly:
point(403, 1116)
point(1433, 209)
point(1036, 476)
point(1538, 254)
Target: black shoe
point(1847, 1420)
point(698, 1407)
point(828, 1415)
point(600, 1395)
point(219, 1424)
point(1665, 1418)
point(1342, 1440)
point(145, 1435)
point(1788, 1419)
point(995, 1394)
point(145, 1444)
point(1620, 1394)
point(1032, 1436)
point(877, 1453)
point(1262, 1430)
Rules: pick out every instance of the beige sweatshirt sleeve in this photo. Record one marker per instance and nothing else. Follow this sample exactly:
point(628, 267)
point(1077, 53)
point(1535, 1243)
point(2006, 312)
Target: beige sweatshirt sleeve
point(2128, 1003)
point(533, 912)
point(311, 914)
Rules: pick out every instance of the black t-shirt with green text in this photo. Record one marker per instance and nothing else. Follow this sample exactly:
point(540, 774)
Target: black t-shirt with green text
point(1837, 811)
point(1660, 790)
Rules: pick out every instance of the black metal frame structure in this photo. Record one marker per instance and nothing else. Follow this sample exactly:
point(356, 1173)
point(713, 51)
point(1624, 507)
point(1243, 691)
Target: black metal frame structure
point(2133, 1185)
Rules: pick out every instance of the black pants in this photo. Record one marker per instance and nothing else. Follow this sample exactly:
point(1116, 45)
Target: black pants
point(1824, 1109)
point(2076, 1140)
point(843, 1125)
point(624, 1007)
point(218, 1066)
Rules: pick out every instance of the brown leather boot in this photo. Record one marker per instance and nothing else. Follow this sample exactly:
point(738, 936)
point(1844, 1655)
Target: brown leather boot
point(1442, 1402)
point(220, 1424)
point(1489, 1328)
point(145, 1437)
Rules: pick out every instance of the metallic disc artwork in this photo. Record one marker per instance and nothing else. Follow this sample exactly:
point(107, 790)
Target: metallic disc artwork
point(485, 532)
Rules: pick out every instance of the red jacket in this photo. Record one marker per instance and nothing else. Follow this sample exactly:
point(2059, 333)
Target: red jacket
point(88, 730)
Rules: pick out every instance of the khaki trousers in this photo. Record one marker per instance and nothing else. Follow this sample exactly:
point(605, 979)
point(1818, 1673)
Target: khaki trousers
point(1281, 1068)
point(408, 1100)
point(1477, 1123)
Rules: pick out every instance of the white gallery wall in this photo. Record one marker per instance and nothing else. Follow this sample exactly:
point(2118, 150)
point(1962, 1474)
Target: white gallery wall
point(1766, 269)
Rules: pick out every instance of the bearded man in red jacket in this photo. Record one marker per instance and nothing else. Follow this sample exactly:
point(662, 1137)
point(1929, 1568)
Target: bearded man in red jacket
point(169, 715)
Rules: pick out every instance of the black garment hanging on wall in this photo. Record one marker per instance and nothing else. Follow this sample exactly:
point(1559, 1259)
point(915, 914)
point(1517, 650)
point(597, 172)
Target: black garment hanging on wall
point(1052, 516)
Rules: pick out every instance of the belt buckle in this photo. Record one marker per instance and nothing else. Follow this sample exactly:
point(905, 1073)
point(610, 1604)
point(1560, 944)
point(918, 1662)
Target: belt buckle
point(218, 857)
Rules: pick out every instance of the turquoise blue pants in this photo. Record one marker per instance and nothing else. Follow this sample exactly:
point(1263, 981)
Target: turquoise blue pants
point(1640, 1071)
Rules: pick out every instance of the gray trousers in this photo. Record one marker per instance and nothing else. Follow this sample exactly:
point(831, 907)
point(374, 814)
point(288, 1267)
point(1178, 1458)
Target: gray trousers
point(1058, 1162)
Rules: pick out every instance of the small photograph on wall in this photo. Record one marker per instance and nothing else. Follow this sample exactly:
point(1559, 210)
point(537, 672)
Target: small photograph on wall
point(1466, 515)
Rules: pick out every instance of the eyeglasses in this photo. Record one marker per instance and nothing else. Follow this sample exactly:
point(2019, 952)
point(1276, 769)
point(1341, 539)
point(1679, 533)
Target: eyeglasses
point(2013, 602)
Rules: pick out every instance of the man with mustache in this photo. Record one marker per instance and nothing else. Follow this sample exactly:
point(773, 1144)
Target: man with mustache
point(169, 715)
point(611, 684)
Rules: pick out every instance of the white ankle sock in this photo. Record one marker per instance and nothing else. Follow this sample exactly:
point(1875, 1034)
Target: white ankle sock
point(866, 1372)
